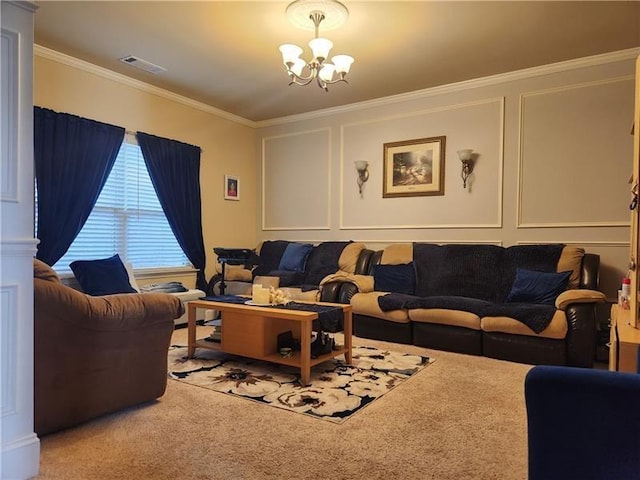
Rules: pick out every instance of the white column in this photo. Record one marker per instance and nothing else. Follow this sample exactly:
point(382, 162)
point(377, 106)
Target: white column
point(19, 444)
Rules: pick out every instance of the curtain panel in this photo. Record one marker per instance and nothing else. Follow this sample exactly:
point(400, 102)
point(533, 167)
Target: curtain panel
point(174, 168)
point(73, 157)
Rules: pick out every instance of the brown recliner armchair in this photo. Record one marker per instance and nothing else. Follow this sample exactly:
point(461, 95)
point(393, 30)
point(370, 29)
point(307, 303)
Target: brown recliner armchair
point(96, 355)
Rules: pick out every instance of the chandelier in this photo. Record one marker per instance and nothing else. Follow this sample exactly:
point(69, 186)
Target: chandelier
point(309, 14)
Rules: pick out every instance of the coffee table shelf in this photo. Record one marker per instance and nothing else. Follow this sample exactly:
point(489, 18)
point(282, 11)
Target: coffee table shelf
point(252, 331)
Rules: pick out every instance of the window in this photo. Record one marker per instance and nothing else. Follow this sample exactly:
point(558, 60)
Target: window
point(127, 219)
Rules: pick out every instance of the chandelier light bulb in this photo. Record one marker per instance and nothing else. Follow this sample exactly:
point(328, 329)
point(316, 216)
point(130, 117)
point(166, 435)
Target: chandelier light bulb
point(320, 48)
point(342, 63)
point(297, 66)
point(326, 73)
point(290, 53)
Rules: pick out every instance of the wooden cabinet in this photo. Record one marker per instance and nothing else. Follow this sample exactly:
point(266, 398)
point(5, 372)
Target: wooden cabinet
point(624, 354)
point(635, 221)
point(625, 342)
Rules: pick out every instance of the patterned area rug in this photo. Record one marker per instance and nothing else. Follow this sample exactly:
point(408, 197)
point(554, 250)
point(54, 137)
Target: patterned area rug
point(336, 392)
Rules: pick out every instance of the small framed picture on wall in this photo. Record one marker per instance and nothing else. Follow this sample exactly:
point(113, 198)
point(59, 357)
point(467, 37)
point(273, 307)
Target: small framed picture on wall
point(231, 187)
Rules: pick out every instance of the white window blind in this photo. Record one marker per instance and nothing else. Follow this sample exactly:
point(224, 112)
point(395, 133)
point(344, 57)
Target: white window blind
point(127, 219)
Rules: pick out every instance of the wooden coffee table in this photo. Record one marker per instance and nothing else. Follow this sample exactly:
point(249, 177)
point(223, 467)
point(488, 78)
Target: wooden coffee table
point(252, 331)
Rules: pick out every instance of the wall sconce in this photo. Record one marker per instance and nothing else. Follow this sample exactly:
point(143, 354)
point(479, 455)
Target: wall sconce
point(363, 173)
point(466, 157)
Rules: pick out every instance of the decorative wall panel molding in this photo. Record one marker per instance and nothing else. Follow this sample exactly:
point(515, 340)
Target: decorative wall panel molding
point(8, 343)
point(478, 125)
point(296, 181)
point(561, 145)
point(9, 95)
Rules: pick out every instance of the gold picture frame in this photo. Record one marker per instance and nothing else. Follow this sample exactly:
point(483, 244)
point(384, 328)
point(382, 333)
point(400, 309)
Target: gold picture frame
point(414, 168)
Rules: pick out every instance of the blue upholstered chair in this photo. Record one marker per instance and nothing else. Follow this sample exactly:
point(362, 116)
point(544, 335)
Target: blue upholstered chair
point(583, 424)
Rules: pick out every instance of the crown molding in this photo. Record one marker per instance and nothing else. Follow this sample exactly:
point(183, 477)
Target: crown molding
point(25, 5)
point(595, 60)
point(70, 61)
point(584, 62)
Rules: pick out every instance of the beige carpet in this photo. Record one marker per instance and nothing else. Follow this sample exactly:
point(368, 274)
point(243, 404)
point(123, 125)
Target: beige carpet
point(461, 418)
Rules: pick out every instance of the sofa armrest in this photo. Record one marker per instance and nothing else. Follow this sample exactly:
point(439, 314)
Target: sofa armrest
point(347, 291)
point(581, 334)
point(579, 296)
point(582, 424)
point(364, 283)
point(109, 313)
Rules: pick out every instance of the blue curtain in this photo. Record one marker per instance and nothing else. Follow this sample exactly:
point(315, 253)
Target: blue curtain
point(73, 157)
point(174, 168)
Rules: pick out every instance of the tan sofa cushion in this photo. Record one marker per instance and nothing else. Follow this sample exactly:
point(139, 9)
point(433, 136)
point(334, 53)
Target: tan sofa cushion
point(44, 272)
point(367, 304)
point(233, 288)
point(267, 281)
point(349, 257)
point(397, 254)
point(235, 273)
point(571, 261)
point(557, 328)
point(297, 294)
point(456, 318)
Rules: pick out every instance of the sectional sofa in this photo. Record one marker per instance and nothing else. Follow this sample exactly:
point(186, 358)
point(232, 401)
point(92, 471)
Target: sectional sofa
point(526, 303)
point(532, 304)
point(297, 266)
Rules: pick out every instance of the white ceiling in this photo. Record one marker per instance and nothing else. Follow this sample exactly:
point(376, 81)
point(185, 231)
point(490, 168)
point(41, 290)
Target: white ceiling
point(225, 54)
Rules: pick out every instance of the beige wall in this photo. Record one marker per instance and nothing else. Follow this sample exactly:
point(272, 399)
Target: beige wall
point(554, 157)
point(66, 85)
point(553, 145)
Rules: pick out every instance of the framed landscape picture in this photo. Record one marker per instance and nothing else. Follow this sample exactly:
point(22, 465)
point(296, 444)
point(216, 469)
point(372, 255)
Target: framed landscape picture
point(413, 168)
point(231, 188)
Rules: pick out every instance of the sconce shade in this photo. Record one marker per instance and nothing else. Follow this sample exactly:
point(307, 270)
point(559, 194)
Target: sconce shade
point(361, 165)
point(465, 154)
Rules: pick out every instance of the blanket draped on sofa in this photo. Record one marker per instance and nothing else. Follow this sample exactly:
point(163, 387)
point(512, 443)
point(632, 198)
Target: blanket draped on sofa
point(476, 279)
point(536, 317)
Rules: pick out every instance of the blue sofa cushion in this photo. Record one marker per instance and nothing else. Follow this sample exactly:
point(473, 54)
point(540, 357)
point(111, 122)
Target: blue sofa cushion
point(395, 278)
point(542, 258)
point(270, 253)
point(531, 286)
point(295, 257)
point(102, 277)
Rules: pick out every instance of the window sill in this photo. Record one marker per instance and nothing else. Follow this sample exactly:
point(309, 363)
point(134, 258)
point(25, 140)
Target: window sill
point(145, 273)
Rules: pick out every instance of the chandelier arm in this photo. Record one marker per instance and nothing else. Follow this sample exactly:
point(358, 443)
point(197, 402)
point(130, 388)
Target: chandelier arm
point(295, 80)
point(337, 80)
point(322, 84)
point(300, 80)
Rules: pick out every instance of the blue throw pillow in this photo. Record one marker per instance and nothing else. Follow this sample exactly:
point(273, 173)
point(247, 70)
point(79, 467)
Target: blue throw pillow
point(537, 287)
point(102, 277)
point(295, 256)
point(395, 278)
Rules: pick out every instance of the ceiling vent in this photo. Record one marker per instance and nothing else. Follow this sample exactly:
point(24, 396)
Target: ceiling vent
point(142, 64)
